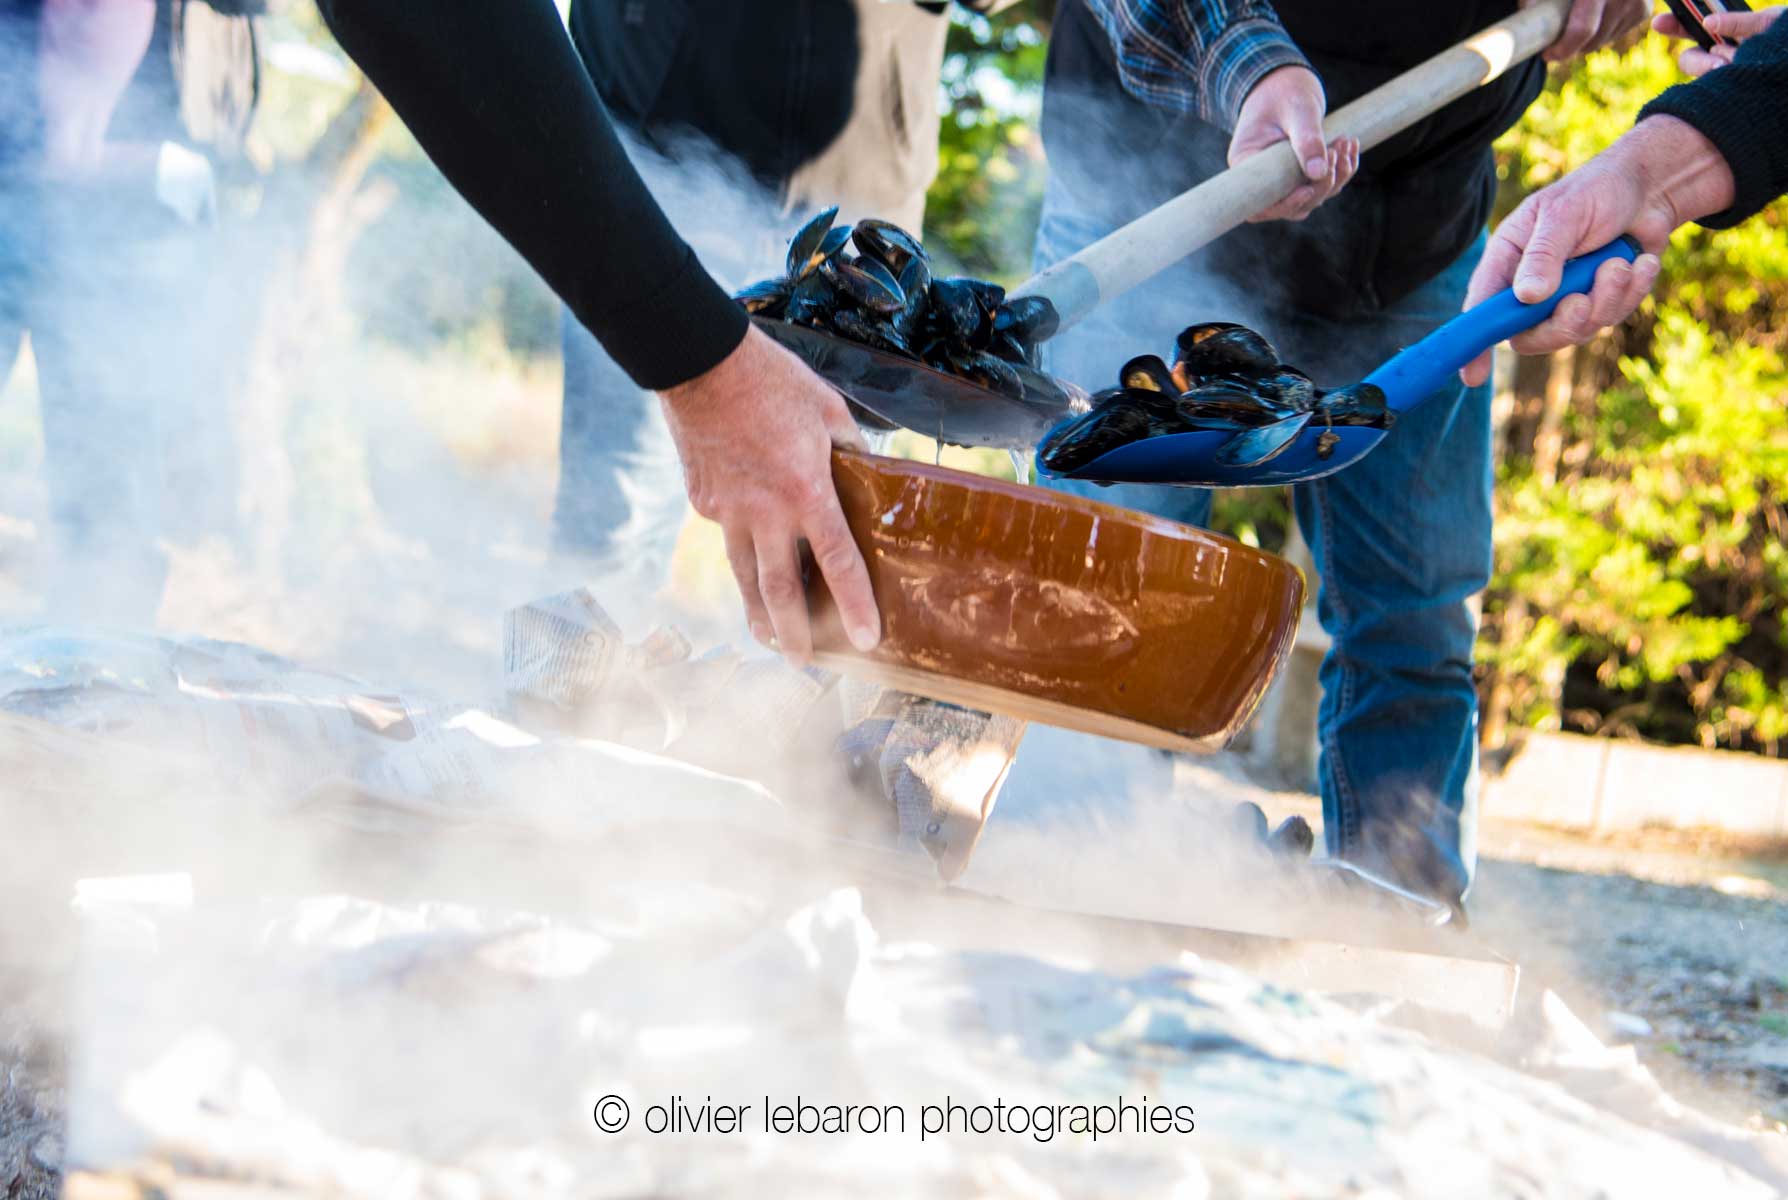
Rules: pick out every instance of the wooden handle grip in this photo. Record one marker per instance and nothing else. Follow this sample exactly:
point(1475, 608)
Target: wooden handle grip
point(1193, 219)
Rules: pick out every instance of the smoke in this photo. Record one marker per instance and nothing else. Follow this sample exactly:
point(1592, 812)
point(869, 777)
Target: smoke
point(380, 999)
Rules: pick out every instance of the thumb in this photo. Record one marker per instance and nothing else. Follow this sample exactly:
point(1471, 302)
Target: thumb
point(1542, 262)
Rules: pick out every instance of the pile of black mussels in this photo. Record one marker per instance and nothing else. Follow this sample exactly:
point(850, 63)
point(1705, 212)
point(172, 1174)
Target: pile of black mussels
point(884, 296)
point(1224, 378)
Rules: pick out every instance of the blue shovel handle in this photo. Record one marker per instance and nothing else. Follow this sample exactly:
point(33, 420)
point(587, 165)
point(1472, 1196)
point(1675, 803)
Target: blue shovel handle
point(1425, 367)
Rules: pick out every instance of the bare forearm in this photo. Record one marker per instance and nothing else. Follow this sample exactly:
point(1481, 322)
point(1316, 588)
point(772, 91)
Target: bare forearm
point(1741, 110)
point(1678, 169)
point(88, 50)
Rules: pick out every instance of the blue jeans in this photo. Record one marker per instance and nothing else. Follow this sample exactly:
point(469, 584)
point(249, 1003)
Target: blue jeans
point(133, 362)
point(1401, 540)
point(621, 500)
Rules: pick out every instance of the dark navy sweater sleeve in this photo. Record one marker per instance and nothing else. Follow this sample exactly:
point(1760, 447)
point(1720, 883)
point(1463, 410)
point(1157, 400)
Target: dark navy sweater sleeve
point(1742, 108)
point(496, 95)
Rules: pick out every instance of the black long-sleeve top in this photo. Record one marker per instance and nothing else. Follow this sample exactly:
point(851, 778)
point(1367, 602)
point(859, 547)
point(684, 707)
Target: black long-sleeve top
point(1742, 108)
point(497, 97)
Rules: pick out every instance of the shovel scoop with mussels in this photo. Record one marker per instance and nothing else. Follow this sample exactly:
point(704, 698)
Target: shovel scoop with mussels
point(952, 358)
point(1228, 413)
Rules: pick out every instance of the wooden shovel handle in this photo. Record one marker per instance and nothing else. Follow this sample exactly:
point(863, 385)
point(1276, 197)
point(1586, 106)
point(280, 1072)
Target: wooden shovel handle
point(1158, 239)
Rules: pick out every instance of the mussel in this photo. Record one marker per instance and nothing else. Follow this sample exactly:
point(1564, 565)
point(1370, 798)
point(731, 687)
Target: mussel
point(1147, 373)
point(808, 248)
point(1226, 379)
point(867, 284)
point(888, 244)
point(1220, 347)
point(1029, 319)
point(1111, 423)
point(766, 298)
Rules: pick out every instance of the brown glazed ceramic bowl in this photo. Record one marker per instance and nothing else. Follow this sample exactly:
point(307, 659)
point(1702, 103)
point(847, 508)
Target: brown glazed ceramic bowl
point(1056, 609)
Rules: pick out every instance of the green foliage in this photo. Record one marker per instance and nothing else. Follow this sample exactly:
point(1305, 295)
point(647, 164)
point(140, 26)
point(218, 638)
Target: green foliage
point(981, 213)
point(1638, 591)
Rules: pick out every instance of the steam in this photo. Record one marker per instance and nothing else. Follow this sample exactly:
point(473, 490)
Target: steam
point(346, 994)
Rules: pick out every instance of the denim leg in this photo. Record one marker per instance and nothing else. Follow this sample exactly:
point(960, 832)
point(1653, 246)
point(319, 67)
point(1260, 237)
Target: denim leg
point(1402, 541)
point(621, 499)
point(114, 360)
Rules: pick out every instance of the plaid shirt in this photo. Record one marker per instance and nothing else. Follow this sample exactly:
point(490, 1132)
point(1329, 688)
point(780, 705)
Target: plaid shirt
point(1195, 56)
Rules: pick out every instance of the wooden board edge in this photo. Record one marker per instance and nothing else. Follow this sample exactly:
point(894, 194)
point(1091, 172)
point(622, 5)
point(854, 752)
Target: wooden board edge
point(988, 698)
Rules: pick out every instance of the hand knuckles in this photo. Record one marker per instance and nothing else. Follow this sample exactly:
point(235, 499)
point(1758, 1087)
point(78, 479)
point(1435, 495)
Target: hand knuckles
point(780, 590)
point(836, 557)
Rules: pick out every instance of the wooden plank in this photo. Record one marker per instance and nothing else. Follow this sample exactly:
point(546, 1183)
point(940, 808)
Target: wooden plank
point(1024, 706)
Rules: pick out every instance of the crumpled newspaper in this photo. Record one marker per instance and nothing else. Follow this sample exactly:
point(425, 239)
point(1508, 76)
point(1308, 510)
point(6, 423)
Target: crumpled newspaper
point(566, 664)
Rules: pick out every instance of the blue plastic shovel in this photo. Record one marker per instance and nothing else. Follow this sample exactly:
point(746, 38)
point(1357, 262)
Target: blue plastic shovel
point(1195, 460)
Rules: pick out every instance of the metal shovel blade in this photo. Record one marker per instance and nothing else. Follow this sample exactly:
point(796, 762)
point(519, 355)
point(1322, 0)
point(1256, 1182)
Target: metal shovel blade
point(904, 392)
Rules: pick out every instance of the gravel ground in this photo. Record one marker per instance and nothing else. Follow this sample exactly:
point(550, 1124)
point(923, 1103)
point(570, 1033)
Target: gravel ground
point(31, 1088)
point(1677, 947)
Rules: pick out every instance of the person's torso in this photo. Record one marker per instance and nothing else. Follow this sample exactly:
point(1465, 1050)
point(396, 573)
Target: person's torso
point(823, 101)
point(1418, 202)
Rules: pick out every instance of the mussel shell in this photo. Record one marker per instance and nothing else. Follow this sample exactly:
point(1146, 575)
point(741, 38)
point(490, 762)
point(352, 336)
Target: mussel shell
point(813, 301)
point(956, 311)
point(991, 295)
point(1226, 400)
point(990, 372)
point(870, 331)
point(915, 285)
point(865, 283)
point(1216, 347)
point(1256, 447)
point(1110, 425)
point(830, 247)
point(1356, 404)
point(1012, 350)
point(1289, 388)
point(765, 298)
point(1030, 319)
point(807, 242)
point(888, 244)
point(1146, 372)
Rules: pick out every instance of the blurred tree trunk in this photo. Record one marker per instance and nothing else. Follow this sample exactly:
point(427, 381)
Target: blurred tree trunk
point(1548, 451)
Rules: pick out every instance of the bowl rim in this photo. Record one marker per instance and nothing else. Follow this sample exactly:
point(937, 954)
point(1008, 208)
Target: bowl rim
point(1050, 498)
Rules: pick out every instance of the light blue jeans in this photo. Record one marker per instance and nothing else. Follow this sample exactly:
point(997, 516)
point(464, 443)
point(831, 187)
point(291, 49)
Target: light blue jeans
point(621, 501)
point(1401, 540)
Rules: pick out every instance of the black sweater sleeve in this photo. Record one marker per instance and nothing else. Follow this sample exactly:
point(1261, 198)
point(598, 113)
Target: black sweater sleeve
point(1742, 108)
point(495, 94)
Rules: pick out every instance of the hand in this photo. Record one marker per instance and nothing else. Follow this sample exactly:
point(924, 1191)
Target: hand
point(1661, 174)
point(1593, 24)
point(1288, 104)
point(1734, 27)
point(755, 435)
